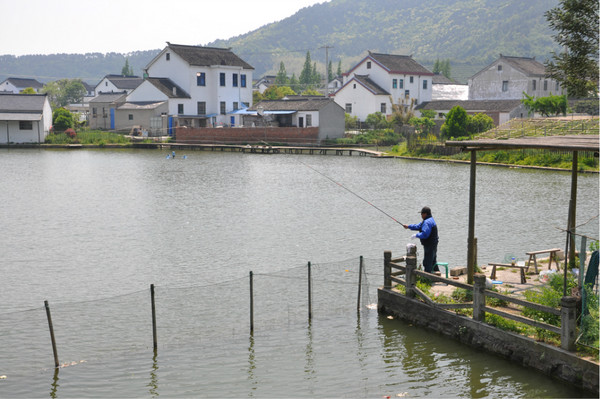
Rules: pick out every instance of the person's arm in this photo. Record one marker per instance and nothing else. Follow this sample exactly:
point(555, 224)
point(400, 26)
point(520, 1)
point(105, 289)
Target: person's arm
point(415, 226)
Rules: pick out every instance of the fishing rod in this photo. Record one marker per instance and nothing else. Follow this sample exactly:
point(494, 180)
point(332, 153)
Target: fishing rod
point(352, 192)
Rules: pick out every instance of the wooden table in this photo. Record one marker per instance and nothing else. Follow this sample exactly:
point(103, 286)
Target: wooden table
point(493, 276)
point(552, 252)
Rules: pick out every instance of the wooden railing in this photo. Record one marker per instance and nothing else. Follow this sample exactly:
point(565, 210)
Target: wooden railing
point(404, 271)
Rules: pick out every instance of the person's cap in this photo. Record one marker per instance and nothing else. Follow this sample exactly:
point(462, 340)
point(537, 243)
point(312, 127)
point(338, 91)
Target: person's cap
point(426, 210)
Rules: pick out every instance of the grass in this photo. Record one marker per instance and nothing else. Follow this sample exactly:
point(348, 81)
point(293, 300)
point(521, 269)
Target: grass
point(89, 137)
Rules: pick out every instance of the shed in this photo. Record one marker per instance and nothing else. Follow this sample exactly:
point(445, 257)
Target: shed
point(24, 118)
point(572, 144)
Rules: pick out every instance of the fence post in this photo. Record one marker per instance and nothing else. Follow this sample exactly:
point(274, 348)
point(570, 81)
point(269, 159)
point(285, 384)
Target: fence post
point(479, 297)
point(154, 336)
point(387, 270)
point(251, 305)
point(360, 271)
point(567, 322)
point(411, 266)
point(309, 294)
point(51, 327)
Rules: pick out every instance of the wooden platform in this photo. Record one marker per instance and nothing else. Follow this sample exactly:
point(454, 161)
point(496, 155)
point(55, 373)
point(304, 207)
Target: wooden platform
point(267, 149)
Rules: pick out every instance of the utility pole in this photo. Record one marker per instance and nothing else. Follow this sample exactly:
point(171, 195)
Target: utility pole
point(326, 66)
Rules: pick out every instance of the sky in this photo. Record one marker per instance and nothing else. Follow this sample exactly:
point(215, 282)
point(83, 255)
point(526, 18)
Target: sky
point(123, 26)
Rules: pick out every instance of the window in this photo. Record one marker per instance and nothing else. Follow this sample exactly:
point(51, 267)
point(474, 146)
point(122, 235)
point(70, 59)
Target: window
point(130, 117)
point(533, 86)
point(348, 108)
point(499, 68)
point(235, 80)
point(545, 85)
point(201, 107)
point(105, 84)
point(407, 94)
point(412, 79)
point(235, 106)
point(168, 56)
point(25, 125)
point(200, 79)
point(401, 83)
point(383, 108)
point(425, 85)
point(222, 79)
point(308, 120)
point(243, 80)
point(354, 86)
point(104, 115)
point(180, 109)
point(94, 112)
point(394, 83)
point(505, 85)
point(223, 111)
point(368, 64)
point(557, 87)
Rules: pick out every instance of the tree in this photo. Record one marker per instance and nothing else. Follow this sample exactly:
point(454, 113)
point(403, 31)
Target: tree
point(64, 91)
point(456, 123)
point(330, 72)
point(306, 74)
point(62, 120)
point(28, 90)
point(423, 125)
point(275, 92)
point(311, 92)
point(339, 68)
point(294, 84)
point(377, 121)
point(281, 79)
point(576, 25)
point(442, 67)
point(479, 123)
point(127, 70)
point(549, 105)
point(316, 76)
point(401, 112)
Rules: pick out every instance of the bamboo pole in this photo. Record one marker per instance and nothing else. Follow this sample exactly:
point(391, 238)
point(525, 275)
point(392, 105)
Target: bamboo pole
point(309, 293)
point(360, 272)
point(50, 326)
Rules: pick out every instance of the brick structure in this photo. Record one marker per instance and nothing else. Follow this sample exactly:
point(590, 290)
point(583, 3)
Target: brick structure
point(242, 135)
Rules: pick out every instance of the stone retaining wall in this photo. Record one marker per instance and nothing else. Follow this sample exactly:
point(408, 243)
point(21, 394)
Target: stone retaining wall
point(550, 360)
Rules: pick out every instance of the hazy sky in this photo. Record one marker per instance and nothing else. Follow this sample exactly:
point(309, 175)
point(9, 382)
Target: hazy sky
point(85, 26)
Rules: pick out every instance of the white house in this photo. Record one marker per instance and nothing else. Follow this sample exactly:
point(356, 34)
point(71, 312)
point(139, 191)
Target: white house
point(264, 83)
point(216, 83)
point(16, 85)
point(508, 77)
point(444, 88)
point(378, 79)
point(117, 83)
point(24, 118)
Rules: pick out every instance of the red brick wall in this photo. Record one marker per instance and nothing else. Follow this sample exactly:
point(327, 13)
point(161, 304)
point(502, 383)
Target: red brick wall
point(242, 135)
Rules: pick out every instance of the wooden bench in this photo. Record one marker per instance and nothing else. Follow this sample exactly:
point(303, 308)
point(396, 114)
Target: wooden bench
point(494, 265)
point(553, 256)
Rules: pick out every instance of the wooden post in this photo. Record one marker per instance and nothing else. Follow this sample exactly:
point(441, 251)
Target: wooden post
point(49, 316)
point(479, 297)
point(471, 238)
point(154, 336)
point(309, 294)
point(360, 271)
point(387, 270)
point(411, 266)
point(573, 208)
point(251, 305)
point(568, 322)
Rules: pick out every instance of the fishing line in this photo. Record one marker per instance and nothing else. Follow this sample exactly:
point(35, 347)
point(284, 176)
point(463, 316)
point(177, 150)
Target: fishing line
point(351, 192)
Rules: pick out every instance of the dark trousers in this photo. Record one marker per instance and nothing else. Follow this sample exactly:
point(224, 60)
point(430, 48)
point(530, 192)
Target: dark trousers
point(430, 258)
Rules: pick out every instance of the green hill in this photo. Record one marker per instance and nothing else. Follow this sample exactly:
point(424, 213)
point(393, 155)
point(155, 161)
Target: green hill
point(471, 33)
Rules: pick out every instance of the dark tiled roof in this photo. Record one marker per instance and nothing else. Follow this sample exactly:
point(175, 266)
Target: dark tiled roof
point(296, 104)
point(125, 82)
point(400, 64)
point(166, 86)
point(472, 105)
point(109, 97)
point(22, 82)
point(22, 103)
point(529, 66)
point(207, 56)
point(369, 84)
point(439, 79)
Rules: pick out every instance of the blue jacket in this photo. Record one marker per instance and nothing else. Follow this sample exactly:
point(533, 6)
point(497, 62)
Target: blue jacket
point(428, 231)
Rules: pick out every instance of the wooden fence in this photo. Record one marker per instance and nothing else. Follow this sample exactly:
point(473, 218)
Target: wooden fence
point(404, 271)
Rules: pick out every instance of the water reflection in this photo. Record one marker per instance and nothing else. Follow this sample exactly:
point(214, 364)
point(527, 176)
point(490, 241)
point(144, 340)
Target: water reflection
point(252, 367)
point(54, 386)
point(153, 384)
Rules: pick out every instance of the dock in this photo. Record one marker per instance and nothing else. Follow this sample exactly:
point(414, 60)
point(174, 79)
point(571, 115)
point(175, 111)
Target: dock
point(272, 149)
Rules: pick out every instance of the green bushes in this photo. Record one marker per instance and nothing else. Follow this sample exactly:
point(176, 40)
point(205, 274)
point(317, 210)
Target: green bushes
point(93, 137)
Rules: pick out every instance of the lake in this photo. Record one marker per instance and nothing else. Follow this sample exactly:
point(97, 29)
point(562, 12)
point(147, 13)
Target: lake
point(90, 230)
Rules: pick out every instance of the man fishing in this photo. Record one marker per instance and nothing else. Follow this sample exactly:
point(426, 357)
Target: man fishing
point(428, 234)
